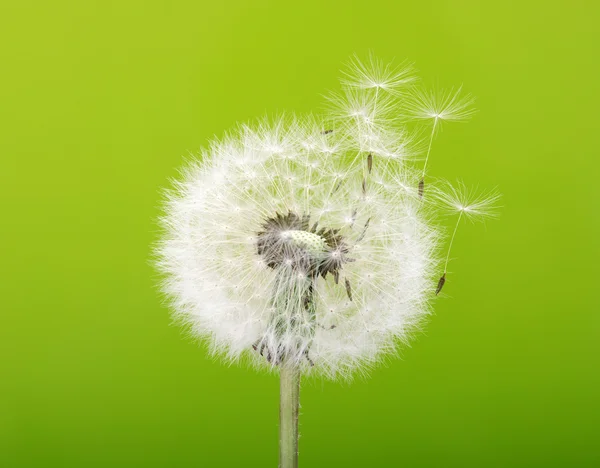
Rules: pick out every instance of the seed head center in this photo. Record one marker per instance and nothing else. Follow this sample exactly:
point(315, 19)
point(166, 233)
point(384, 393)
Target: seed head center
point(289, 240)
point(313, 243)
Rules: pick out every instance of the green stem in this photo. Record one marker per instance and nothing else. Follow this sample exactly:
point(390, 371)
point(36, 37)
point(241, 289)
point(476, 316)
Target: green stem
point(289, 395)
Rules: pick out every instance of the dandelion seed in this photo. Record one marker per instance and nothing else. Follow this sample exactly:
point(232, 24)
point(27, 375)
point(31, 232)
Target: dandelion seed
point(468, 203)
point(370, 162)
point(439, 106)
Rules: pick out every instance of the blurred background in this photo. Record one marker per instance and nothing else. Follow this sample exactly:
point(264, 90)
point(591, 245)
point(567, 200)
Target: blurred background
point(101, 102)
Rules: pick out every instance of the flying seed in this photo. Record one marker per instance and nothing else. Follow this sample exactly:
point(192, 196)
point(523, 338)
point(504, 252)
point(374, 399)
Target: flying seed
point(326, 132)
point(364, 186)
point(348, 289)
point(370, 162)
point(421, 188)
point(440, 284)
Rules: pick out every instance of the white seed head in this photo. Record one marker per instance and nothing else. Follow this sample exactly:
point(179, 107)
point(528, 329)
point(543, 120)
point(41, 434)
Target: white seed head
point(300, 241)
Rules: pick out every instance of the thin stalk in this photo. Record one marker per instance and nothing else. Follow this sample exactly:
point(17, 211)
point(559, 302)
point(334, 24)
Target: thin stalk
point(451, 242)
point(289, 401)
point(429, 148)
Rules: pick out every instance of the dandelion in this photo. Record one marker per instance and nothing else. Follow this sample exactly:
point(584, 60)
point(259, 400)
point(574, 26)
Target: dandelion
point(300, 245)
point(468, 204)
point(439, 106)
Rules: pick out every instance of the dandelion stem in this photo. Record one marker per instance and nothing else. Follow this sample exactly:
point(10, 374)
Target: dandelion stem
point(289, 394)
point(429, 148)
point(451, 241)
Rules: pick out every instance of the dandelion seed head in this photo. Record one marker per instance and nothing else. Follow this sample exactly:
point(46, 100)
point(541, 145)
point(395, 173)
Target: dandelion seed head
point(304, 239)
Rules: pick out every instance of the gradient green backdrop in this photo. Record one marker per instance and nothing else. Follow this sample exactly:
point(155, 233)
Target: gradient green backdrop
point(101, 102)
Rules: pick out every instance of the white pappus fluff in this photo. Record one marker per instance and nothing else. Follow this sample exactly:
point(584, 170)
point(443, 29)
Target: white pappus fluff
point(306, 240)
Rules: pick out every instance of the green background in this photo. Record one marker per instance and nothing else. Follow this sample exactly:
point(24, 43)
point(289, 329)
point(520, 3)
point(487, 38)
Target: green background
point(101, 102)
